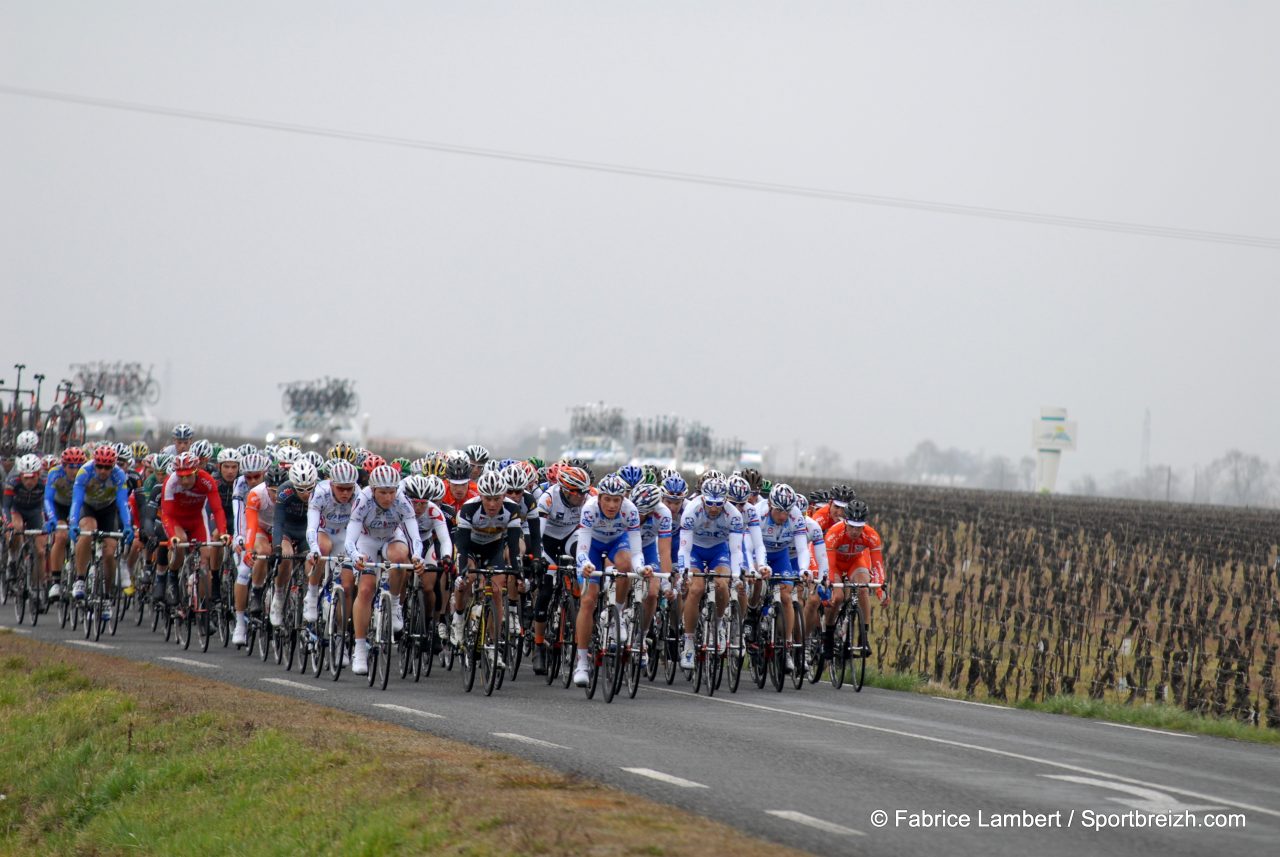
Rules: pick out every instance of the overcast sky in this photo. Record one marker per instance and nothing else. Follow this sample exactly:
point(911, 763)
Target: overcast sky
point(469, 292)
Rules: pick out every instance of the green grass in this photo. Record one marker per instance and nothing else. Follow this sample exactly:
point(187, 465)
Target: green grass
point(1151, 715)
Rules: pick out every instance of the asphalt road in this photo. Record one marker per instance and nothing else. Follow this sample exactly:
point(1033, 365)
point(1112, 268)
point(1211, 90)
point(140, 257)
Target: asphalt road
point(810, 768)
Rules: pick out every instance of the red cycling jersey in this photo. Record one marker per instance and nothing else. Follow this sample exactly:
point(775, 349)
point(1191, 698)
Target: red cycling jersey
point(184, 507)
point(848, 550)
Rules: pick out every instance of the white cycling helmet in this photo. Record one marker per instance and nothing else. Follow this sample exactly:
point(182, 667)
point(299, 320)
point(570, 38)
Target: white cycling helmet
point(491, 484)
point(515, 477)
point(229, 456)
point(29, 463)
point(384, 476)
point(27, 441)
point(287, 455)
point(303, 475)
point(342, 472)
point(783, 496)
point(255, 462)
point(613, 485)
point(646, 497)
point(435, 488)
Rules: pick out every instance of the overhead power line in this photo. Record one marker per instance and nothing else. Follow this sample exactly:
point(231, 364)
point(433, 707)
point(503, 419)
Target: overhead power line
point(666, 175)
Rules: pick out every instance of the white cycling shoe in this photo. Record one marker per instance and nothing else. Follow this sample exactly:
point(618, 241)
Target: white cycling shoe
point(581, 675)
point(360, 660)
point(240, 636)
point(397, 618)
point(277, 610)
point(686, 658)
point(457, 629)
point(311, 607)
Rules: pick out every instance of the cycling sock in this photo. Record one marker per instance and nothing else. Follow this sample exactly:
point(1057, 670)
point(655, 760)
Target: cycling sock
point(539, 639)
point(688, 640)
point(240, 617)
point(313, 589)
point(584, 657)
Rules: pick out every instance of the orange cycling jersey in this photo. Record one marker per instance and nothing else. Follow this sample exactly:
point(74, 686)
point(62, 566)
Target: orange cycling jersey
point(848, 550)
point(823, 516)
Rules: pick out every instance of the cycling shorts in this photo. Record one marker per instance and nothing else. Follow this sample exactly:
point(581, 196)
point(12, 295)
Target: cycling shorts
point(32, 518)
point(604, 553)
point(488, 555)
point(780, 563)
point(107, 518)
point(194, 527)
point(62, 511)
point(709, 558)
point(553, 548)
point(376, 549)
point(845, 567)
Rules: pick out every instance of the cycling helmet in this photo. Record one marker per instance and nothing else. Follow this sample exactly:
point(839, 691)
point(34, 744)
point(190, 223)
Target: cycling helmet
point(613, 485)
point(343, 450)
point(229, 456)
point(505, 463)
point(149, 461)
point(536, 463)
point(49, 462)
point(817, 498)
point(342, 472)
point(182, 431)
point(738, 489)
point(458, 468)
point(843, 495)
point(303, 475)
point(531, 475)
point(714, 492)
point(164, 463)
point(186, 463)
point(416, 487)
point(291, 441)
point(384, 476)
point(435, 488)
point(631, 474)
point(646, 497)
point(477, 454)
point(28, 464)
point(276, 476)
point(401, 464)
point(417, 466)
point(668, 472)
point(574, 479)
point(121, 448)
point(104, 456)
point(125, 459)
point(754, 478)
point(314, 457)
point(591, 474)
point(674, 487)
point(434, 467)
point(140, 449)
point(650, 475)
point(858, 514)
point(782, 496)
point(373, 461)
point(286, 456)
point(491, 484)
point(516, 478)
point(802, 503)
point(217, 449)
point(254, 462)
point(766, 486)
point(246, 449)
point(27, 441)
point(712, 474)
point(490, 466)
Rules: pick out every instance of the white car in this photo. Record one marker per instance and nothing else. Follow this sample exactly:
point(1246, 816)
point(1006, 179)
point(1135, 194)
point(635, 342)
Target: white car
point(121, 420)
point(318, 432)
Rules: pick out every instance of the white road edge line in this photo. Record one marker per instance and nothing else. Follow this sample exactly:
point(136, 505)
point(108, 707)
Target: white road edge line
point(971, 702)
point(18, 630)
point(1148, 729)
point(191, 663)
point(816, 823)
point(525, 739)
point(665, 778)
point(405, 710)
point(978, 747)
point(296, 684)
point(90, 643)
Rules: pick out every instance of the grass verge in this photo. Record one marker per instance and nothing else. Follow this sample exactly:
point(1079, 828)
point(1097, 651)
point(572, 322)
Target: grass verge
point(100, 755)
point(1151, 715)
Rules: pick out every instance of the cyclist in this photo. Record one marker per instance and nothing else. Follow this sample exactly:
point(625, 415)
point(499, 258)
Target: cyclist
point(99, 500)
point(59, 486)
point(259, 516)
point(829, 513)
point(783, 531)
point(289, 528)
point(188, 492)
point(382, 526)
point(854, 551)
point(486, 525)
point(228, 475)
point(24, 505)
point(608, 532)
point(327, 516)
point(423, 493)
point(561, 508)
point(461, 488)
point(253, 466)
point(183, 435)
point(655, 542)
point(711, 538)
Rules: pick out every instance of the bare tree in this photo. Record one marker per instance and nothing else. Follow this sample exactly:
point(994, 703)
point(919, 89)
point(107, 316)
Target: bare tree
point(1240, 479)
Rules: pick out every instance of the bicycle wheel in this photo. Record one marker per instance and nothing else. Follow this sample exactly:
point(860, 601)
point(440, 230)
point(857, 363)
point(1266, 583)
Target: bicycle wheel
point(118, 606)
point(337, 631)
point(35, 587)
point(735, 654)
point(814, 659)
point(595, 650)
point(714, 659)
point(491, 644)
point(778, 651)
point(424, 636)
point(265, 633)
point(226, 607)
point(515, 642)
point(797, 647)
point(611, 652)
point(384, 642)
point(838, 651)
point(64, 607)
point(19, 590)
point(471, 628)
point(75, 430)
point(49, 435)
point(654, 638)
point(292, 625)
point(408, 637)
point(151, 392)
point(673, 633)
point(859, 660)
point(566, 640)
point(633, 664)
point(155, 616)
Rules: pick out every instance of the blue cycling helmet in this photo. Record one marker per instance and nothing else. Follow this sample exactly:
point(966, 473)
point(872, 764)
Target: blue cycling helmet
point(505, 463)
point(182, 431)
point(738, 489)
point(674, 487)
point(613, 486)
point(646, 497)
point(714, 492)
point(632, 474)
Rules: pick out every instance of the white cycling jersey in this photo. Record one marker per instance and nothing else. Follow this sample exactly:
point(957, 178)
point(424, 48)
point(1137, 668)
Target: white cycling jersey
point(815, 546)
point(324, 512)
point(370, 520)
point(432, 521)
point(656, 525)
point(698, 529)
point(559, 519)
point(792, 535)
point(595, 526)
point(753, 543)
